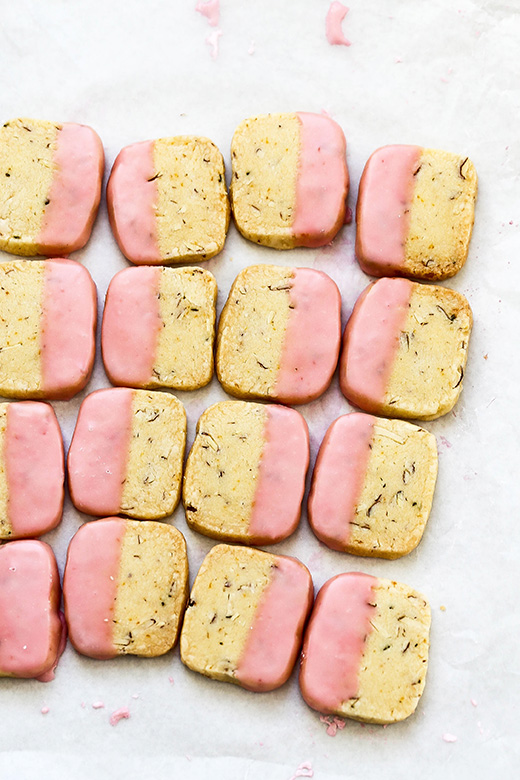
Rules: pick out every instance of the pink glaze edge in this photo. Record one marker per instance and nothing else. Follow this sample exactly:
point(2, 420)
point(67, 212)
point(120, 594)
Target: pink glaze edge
point(68, 335)
point(50, 674)
point(75, 191)
point(132, 196)
point(34, 468)
point(312, 338)
point(335, 640)
point(90, 586)
point(383, 208)
point(30, 627)
point(335, 15)
point(322, 181)
point(270, 652)
point(281, 476)
point(371, 341)
point(131, 325)
point(98, 454)
point(338, 478)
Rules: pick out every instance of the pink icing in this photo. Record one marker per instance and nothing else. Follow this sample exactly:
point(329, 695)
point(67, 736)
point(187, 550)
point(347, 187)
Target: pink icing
point(98, 455)
point(272, 646)
point(49, 675)
point(335, 16)
point(312, 337)
point(123, 713)
point(68, 328)
point(33, 453)
point(30, 627)
point(322, 181)
point(371, 341)
point(131, 200)
point(383, 208)
point(75, 191)
point(338, 478)
point(131, 324)
point(281, 476)
point(90, 586)
point(211, 10)
point(335, 640)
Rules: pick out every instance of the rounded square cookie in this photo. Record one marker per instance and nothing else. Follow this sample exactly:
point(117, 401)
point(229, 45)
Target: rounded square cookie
point(405, 348)
point(126, 454)
point(373, 485)
point(125, 587)
point(290, 179)
point(48, 311)
point(50, 186)
point(167, 200)
point(415, 212)
point(365, 651)
point(245, 474)
point(245, 617)
point(159, 328)
point(31, 470)
point(278, 335)
point(31, 632)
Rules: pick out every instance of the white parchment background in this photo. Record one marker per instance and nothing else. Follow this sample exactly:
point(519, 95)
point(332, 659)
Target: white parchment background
point(442, 73)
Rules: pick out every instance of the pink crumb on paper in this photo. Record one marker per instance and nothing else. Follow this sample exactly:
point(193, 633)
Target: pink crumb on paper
point(212, 41)
point(120, 714)
point(304, 770)
point(333, 724)
point(445, 442)
point(474, 702)
point(335, 16)
point(44, 710)
point(449, 737)
point(98, 705)
point(171, 680)
point(211, 10)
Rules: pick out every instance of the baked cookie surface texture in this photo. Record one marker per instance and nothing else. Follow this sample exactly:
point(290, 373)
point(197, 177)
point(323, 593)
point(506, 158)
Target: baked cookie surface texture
point(167, 200)
point(31, 470)
point(245, 617)
point(126, 454)
point(245, 474)
point(125, 587)
point(290, 179)
point(159, 328)
point(50, 186)
point(278, 335)
point(373, 485)
point(415, 212)
point(365, 651)
point(47, 328)
point(405, 348)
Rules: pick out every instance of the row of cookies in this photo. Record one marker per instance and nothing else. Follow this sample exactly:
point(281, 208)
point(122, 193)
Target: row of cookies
point(168, 203)
point(125, 589)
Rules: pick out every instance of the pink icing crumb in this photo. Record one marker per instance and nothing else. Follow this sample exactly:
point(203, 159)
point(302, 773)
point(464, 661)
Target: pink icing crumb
point(304, 770)
point(474, 702)
point(333, 724)
point(120, 714)
point(135, 696)
point(252, 48)
point(44, 710)
point(211, 10)
point(212, 41)
point(170, 679)
point(335, 16)
point(444, 441)
point(449, 737)
point(98, 705)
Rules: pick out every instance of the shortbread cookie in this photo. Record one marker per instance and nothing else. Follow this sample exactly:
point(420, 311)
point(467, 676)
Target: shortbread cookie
point(125, 588)
point(279, 334)
point(245, 475)
point(126, 454)
point(405, 348)
point(159, 328)
point(365, 651)
point(167, 200)
point(31, 470)
point(373, 485)
point(30, 625)
point(50, 186)
point(245, 617)
point(290, 180)
point(47, 328)
point(415, 212)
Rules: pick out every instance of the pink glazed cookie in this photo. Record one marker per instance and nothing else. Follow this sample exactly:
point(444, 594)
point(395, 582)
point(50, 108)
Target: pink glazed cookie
point(47, 328)
point(31, 632)
point(415, 212)
point(31, 470)
point(279, 333)
point(405, 348)
point(365, 651)
point(245, 617)
point(245, 475)
point(50, 186)
point(290, 179)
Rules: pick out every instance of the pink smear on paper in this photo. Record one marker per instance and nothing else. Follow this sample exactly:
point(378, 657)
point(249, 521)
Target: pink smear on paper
point(449, 737)
point(333, 724)
point(304, 770)
point(212, 41)
point(118, 715)
point(98, 705)
point(211, 10)
point(335, 16)
point(474, 702)
point(445, 442)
